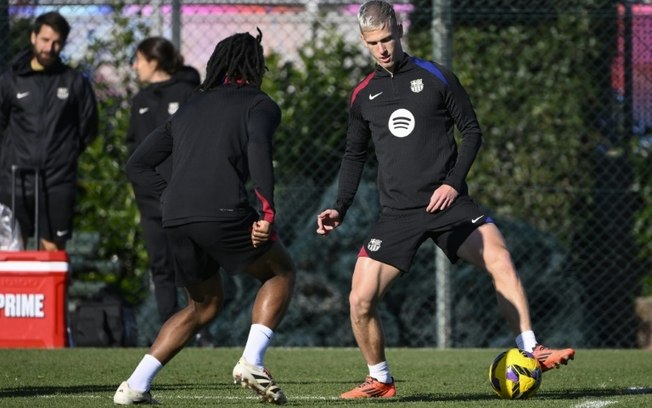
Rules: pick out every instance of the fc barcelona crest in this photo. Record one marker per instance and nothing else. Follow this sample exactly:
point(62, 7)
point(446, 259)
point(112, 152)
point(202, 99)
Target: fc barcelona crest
point(374, 244)
point(417, 85)
point(173, 107)
point(62, 93)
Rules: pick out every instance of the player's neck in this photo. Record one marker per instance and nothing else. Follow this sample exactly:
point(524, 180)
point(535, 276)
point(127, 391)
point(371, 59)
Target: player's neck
point(160, 76)
point(35, 65)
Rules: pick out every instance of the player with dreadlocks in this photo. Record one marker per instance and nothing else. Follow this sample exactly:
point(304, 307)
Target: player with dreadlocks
point(219, 140)
point(238, 59)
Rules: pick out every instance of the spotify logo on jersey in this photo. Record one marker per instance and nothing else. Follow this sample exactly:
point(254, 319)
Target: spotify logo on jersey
point(401, 123)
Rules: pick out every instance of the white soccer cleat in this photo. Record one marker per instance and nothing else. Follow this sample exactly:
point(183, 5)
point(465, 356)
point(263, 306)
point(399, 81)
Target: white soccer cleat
point(126, 396)
point(259, 380)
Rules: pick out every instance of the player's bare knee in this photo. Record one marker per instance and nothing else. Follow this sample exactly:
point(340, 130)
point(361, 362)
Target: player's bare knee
point(207, 311)
point(210, 314)
point(360, 307)
point(499, 261)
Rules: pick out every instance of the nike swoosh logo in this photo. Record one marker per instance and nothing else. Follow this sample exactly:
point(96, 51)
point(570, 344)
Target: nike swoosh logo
point(372, 97)
point(62, 233)
point(142, 110)
point(21, 95)
point(474, 220)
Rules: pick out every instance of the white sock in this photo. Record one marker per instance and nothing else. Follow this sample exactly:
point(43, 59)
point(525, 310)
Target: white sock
point(142, 377)
point(526, 341)
point(380, 372)
point(259, 339)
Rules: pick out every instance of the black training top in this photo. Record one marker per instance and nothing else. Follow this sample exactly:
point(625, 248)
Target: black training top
point(47, 119)
point(155, 103)
point(218, 140)
point(410, 115)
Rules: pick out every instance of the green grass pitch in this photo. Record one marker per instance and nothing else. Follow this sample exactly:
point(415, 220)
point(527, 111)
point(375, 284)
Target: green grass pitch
point(314, 377)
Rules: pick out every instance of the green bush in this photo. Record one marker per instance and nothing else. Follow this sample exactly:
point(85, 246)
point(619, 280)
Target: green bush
point(106, 202)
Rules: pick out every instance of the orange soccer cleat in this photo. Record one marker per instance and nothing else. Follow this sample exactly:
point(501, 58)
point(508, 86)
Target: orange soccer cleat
point(551, 358)
point(371, 388)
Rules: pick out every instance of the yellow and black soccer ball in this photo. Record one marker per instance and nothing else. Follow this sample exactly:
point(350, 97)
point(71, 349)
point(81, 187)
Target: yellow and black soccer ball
point(515, 374)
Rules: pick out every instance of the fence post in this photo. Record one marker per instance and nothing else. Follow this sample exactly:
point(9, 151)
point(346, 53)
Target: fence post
point(157, 18)
point(442, 32)
point(442, 53)
point(443, 314)
point(176, 23)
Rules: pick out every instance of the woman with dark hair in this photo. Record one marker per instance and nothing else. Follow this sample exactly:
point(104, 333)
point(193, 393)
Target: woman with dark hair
point(168, 84)
point(219, 141)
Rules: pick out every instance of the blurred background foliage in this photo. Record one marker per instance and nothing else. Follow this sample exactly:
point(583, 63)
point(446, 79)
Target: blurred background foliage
point(547, 157)
point(106, 200)
point(562, 170)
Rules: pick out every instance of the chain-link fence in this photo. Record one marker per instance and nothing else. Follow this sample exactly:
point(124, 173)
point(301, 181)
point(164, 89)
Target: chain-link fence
point(562, 90)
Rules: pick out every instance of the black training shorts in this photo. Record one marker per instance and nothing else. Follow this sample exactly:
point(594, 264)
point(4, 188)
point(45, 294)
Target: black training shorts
point(199, 249)
point(397, 235)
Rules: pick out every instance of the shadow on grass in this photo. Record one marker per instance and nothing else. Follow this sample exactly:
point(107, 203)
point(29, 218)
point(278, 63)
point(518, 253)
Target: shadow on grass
point(431, 397)
point(54, 390)
point(565, 395)
point(100, 389)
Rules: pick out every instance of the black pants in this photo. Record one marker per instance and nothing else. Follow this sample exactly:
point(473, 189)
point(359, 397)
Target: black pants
point(160, 261)
point(56, 211)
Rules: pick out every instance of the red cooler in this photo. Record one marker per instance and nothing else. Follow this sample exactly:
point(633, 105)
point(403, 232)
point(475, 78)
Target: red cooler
point(33, 299)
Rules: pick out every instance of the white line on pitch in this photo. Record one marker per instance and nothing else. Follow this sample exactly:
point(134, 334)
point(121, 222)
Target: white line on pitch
point(594, 404)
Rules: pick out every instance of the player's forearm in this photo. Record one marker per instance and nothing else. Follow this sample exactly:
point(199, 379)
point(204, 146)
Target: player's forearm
point(350, 176)
point(471, 142)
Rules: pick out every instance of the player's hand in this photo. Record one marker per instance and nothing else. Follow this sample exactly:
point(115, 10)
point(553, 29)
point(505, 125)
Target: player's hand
point(261, 230)
point(442, 198)
point(327, 221)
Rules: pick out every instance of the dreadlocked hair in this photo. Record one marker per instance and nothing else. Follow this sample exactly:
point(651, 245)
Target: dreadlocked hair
point(237, 59)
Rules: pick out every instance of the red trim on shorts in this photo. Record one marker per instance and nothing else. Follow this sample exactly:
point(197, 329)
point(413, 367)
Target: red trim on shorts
point(363, 252)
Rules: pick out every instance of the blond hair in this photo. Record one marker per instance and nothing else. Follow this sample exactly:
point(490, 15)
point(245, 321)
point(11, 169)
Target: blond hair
point(375, 15)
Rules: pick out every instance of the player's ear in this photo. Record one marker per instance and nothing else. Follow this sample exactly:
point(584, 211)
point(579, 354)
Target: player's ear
point(33, 38)
point(399, 30)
